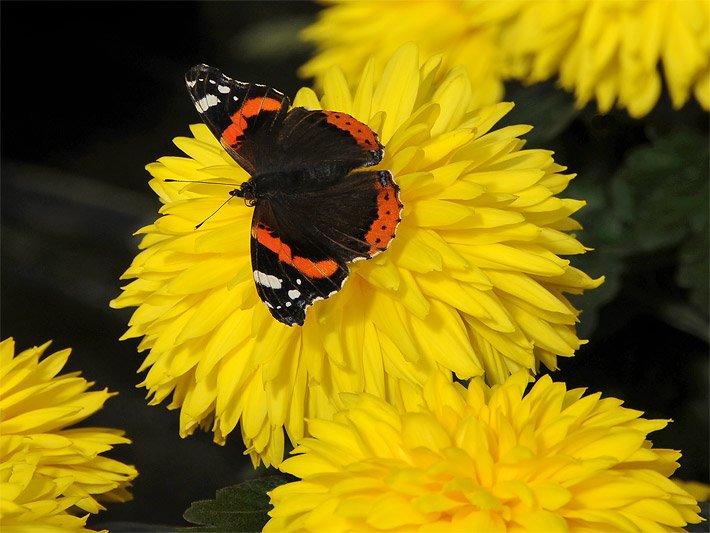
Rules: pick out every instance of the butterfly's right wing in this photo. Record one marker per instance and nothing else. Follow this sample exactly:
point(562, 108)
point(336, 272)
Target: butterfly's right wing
point(328, 143)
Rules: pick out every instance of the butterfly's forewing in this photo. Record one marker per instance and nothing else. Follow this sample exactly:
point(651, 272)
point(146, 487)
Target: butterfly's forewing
point(245, 117)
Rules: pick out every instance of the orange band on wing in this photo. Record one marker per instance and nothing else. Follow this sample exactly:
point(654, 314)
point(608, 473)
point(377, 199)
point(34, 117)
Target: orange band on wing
point(383, 229)
point(235, 131)
point(362, 133)
point(253, 106)
point(232, 135)
point(315, 269)
point(310, 269)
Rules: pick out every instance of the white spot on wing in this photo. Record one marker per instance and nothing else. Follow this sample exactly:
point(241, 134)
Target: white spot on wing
point(298, 281)
point(293, 294)
point(209, 100)
point(267, 280)
point(191, 83)
point(224, 89)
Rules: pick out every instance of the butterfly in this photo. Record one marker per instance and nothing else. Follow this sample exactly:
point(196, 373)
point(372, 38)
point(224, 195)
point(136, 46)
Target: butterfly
point(317, 204)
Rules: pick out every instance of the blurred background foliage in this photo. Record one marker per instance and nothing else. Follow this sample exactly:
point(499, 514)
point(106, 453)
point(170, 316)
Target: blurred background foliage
point(92, 92)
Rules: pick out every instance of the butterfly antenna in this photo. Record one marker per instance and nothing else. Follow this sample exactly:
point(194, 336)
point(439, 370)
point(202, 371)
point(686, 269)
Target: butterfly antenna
point(170, 180)
point(236, 192)
point(215, 211)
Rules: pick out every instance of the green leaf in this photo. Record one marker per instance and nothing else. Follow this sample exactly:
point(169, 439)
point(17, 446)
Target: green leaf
point(241, 507)
point(694, 271)
point(664, 189)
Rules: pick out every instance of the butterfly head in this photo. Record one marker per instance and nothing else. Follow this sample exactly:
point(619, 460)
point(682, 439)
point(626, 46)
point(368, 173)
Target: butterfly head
point(247, 191)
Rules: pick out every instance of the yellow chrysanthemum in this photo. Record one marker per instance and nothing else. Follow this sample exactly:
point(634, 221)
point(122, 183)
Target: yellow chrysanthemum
point(348, 34)
point(699, 491)
point(608, 50)
point(472, 282)
point(49, 472)
point(483, 459)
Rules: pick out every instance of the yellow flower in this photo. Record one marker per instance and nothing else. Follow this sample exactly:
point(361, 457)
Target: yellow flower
point(483, 459)
point(50, 472)
point(348, 34)
point(699, 491)
point(473, 281)
point(608, 50)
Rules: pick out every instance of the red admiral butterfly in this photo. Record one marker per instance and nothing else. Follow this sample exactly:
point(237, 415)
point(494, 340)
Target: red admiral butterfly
point(315, 207)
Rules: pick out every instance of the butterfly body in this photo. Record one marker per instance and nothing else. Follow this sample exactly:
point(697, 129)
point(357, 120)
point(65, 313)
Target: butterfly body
point(317, 207)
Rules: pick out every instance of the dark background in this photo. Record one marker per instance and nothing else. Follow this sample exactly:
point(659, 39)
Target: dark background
point(92, 92)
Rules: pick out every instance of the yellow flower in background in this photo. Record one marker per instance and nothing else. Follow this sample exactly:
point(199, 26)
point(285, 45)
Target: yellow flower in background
point(50, 472)
point(349, 34)
point(483, 459)
point(611, 51)
point(699, 491)
point(473, 281)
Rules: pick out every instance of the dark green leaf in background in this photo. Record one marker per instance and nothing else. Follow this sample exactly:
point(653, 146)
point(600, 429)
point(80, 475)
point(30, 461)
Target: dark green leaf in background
point(661, 194)
point(241, 507)
point(648, 225)
point(667, 181)
point(693, 270)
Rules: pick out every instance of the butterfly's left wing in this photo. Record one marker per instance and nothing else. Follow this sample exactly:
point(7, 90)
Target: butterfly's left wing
point(245, 117)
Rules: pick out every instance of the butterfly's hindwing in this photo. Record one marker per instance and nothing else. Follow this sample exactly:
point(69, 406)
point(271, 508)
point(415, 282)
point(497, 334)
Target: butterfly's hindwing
point(289, 279)
point(357, 216)
point(316, 139)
